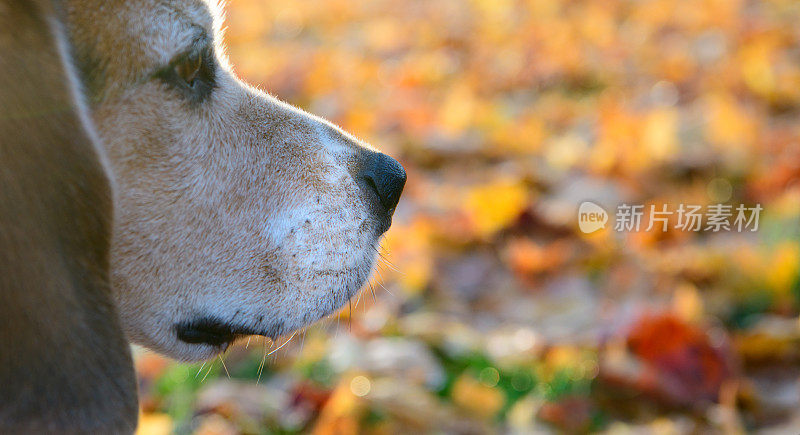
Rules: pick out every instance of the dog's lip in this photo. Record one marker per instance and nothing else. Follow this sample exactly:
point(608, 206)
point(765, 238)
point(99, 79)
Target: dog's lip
point(212, 331)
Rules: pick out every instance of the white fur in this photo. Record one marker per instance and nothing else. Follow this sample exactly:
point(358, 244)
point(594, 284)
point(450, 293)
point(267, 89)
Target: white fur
point(242, 208)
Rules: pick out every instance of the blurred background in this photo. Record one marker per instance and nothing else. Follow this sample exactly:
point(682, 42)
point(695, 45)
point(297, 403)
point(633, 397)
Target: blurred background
point(490, 310)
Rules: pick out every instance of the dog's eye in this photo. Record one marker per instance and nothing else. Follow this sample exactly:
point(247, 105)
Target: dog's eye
point(189, 68)
point(191, 74)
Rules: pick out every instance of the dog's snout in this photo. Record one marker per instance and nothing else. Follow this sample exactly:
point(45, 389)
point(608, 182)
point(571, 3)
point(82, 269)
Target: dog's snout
point(386, 177)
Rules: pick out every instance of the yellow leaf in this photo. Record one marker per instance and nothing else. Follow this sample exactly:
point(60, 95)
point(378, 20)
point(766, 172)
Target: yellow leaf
point(493, 206)
point(729, 125)
point(154, 424)
point(687, 303)
point(457, 112)
point(784, 268)
point(342, 412)
point(566, 151)
point(476, 397)
point(660, 133)
point(756, 63)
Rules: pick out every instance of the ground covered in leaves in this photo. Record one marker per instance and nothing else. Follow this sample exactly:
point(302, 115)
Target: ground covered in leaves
point(491, 310)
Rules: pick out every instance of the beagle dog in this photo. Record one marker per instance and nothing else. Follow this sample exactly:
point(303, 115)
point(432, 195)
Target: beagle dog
point(147, 194)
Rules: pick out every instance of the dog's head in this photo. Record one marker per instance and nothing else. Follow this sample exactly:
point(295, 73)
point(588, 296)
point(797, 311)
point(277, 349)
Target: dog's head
point(235, 213)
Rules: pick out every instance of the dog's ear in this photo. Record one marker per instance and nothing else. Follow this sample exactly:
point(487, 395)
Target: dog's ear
point(65, 366)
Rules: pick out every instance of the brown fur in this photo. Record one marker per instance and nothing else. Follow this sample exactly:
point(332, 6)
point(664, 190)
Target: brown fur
point(64, 366)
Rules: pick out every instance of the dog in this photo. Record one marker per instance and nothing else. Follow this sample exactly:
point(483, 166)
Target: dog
point(149, 195)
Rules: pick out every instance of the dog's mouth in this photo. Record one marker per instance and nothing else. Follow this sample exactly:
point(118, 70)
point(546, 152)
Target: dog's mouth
point(213, 332)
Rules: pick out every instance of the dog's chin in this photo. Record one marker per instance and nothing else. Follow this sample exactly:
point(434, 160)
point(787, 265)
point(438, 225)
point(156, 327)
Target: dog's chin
point(204, 336)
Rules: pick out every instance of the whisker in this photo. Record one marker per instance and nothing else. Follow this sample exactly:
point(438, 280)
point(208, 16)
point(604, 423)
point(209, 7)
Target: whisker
point(224, 366)
point(387, 261)
point(284, 344)
point(380, 283)
point(263, 359)
point(372, 290)
point(393, 268)
point(248, 342)
point(210, 366)
point(200, 370)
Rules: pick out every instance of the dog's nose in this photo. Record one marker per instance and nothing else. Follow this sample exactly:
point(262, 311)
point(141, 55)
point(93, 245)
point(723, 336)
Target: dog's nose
point(386, 177)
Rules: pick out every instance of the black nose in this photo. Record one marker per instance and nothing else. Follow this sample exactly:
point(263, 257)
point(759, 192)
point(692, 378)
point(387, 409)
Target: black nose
point(387, 177)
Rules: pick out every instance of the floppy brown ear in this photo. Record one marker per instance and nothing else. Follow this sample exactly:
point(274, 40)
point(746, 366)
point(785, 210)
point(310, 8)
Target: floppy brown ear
point(65, 366)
